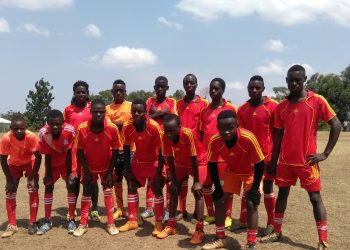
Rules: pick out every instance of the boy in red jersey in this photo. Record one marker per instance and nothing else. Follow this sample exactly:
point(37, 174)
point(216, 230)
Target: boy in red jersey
point(97, 142)
point(296, 123)
point(55, 142)
point(257, 115)
point(146, 163)
point(185, 157)
point(208, 128)
point(19, 149)
point(245, 166)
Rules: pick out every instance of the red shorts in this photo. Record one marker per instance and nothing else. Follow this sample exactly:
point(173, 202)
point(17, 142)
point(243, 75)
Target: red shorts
point(95, 177)
point(309, 176)
point(182, 173)
point(17, 172)
point(232, 182)
point(61, 171)
point(144, 171)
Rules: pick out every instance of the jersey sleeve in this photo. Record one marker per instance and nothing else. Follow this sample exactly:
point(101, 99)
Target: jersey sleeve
point(34, 142)
point(78, 143)
point(173, 107)
point(5, 146)
point(126, 135)
point(325, 111)
point(190, 142)
point(241, 122)
point(157, 132)
point(44, 148)
point(213, 153)
point(255, 153)
point(278, 123)
point(201, 117)
point(148, 104)
point(167, 149)
point(115, 143)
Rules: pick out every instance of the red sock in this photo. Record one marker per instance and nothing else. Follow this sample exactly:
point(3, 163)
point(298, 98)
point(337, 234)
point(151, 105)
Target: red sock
point(322, 231)
point(109, 204)
point(220, 232)
point(159, 208)
point(11, 207)
point(167, 190)
point(183, 196)
point(200, 226)
point(149, 197)
point(85, 206)
point(71, 199)
point(208, 199)
point(229, 204)
point(251, 236)
point(277, 224)
point(172, 222)
point(243, 216)
point(48, 205)
point(270, 202)
point(33, 205)
point(132, 206)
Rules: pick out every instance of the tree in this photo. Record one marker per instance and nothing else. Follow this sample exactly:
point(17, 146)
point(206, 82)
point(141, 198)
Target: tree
point(280, 93)
point(178, 94)
point(139, 94)
point(105, 95)
point(10, 114)
point(38, 104)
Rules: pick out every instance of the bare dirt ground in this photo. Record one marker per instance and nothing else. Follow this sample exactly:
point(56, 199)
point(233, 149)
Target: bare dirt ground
point(299, 228)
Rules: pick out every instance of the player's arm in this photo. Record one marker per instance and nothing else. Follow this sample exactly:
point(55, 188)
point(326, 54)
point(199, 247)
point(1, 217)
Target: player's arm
point(254, 193)
point(31, 180)
point(127, 163)
point(214, 175)
point(112, 162)
point(174, 185)
point(70, 176)
point(10, 184)
point(277, 141)
point(197, 187)
point(48, 170)
point(82, 158)
point(158, 185)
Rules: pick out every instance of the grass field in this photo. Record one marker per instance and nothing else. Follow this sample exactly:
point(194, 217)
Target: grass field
point(299, 227)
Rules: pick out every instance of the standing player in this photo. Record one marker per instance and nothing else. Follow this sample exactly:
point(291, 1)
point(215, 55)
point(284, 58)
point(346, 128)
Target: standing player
point(296, 123)
point(257, 115)
point(55, 142)
point(97, 142)
point(20, 155)
point(245, 165)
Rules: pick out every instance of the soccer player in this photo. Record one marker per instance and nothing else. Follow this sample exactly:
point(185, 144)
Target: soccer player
point(75, 114)
point(245, 166)
point(20, 155)
point(146, 164)
point(97, 142)
point(295, 155)
point(119, 112)
point(257, 115)
point(55, 142)
point(189, 109)
point(208, 128)
point(185, 157)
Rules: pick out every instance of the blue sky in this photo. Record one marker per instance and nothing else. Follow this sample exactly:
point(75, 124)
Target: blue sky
point(64, 41)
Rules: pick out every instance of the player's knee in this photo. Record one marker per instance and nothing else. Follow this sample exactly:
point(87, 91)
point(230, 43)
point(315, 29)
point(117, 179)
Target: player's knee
point(315, 198)
point(88, 189)
point(283, 193)
point(268, 187)
point(250, 206)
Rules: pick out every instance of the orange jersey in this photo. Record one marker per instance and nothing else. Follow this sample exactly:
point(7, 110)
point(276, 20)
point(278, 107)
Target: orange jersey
point(189, 113)
point(240, 159)
point(300, 121)
point(19, 152)
point(187, 147)
point(56, 148)
point(147, 142)
point(97, 147)
point(259, 120)
point(168, 104)
point(74, 115)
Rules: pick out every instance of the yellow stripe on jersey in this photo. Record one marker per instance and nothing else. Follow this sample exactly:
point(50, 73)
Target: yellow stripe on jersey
point(253, 139)
point(233, 106)
point(326, 102)
point(154, 123)
point(175, 105)
point(82, 125)
point(190, 136)
point(273, 100)
point(211, 141)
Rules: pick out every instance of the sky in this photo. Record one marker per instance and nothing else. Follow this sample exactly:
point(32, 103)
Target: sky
point(63, 41)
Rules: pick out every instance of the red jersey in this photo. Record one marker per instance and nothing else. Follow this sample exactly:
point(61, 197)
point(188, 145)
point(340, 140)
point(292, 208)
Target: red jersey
point(182, 151)
point(300, 121)
point(97, 147)
point(259, 120)
point(57, 148)
point(240, 159)
point(168, 104)
point(74, 115)
point(147, 142)
point(189, 113)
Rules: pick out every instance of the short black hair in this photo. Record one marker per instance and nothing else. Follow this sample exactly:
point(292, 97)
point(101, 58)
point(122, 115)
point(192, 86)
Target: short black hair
point(172, 117)
point(79, 84)
point(257, 78)
point(221, 81)
point(119, 81)
point(139, 101)
point(97, 101)
point(18, 118)
point(189, 75)
point(227, 114)
point(161, 79)
point(54, 113)
point(296, 67)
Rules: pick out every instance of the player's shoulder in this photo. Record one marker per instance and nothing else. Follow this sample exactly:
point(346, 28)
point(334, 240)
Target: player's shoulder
point(270, 100)
point(187, 132)
point(6, 136)
point(243, 107)
point(29, 135)
point(215, 138)
point(247, 135)
point(151, 99)
point(68, 128)
point(230, 106)
point(111, 125)
point(44, 130)
point(283, 103)
point(128, 123)
point(82, 126)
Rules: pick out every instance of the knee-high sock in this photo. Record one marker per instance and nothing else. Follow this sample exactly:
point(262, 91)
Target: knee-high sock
point(270, 202)
point(48, 205)
point(133, 206)
point(33, 204)
point(183, 196)
point(72, 201)
point(149, 197)
point(159, 208)
point(85, 206)
point(118, 189)
point(109, 204)
point(11, 208)
point(322, 231)
point(229, 204)
point(243, 216)
point(208, 199)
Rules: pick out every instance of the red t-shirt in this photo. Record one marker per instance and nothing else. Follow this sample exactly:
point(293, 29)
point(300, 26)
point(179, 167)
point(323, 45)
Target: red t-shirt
point(147, 142)
point(57, 148)
point(168, 104)
point(182, 151)
point(189, 113)
point(300, 121)
point(259, 120)
point(74, 115)
point(240, 159)
point(97, 147)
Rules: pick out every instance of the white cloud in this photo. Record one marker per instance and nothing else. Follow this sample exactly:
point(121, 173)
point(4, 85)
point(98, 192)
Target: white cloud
point(274, 45)
point(4, 25)
point(278, 67)
point(92, 30)
point(31, 28)
point(165, 22)
point(38, 4)
point(286, 12)
point(235, 86)
point(126, 57)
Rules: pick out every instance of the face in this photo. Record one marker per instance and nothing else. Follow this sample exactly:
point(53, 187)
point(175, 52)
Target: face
point(190, 84)
point(172, 130)
point(118, 92)
point(255, 89)
point(138, 112)
point(18, 129)
point(215, 90)
point(55, 124)
point(98, 112)
point(295, 81)
point(160, 88)
point(81, 94)
point(227, 128)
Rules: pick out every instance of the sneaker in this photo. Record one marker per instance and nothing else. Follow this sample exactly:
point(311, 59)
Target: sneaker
point(95, 216)
point(217, 243)
point(197, 237)
point(112, 230)
point(208, 220)
point(147, 214)
point(130, 225)
point(158, 228)
point(10, 230)
point(33, 228)
point(250, 247)
point(167, 231)
point(322, 245)
point(80, 230)
point(118, 214)
point(71, 226)
point(46, 226)
point(273, 237)
point(237, 225)
point(166, 216)
point(268, 230)
point(228, 222)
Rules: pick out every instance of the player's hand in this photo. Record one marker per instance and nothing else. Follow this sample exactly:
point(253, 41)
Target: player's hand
point(254, 195)
point(109, 180)
point(316, 158)
point(217, 194)
point(197, 190)
point(32, 183)
point(272, 168)
point(47, 180)
point(10, 186)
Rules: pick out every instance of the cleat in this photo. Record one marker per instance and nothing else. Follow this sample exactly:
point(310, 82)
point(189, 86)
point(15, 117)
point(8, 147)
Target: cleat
point(217, 243)
point(119, 214)
point(112, 230)
point(228, 222)
point(322, 245)
point(147, 214)
point(197, 237)
point(250, 247)
point(46, 226)
point(237, 225)
point(158, 228)
point(33, 228)
point(166, 216)
point(130, 225)
point(268, 230)
point(95, 216)
point(167, 231)
point(71, 226)
point(273, 237)
point(209, 220)
point(80, 230)
point(10, 230)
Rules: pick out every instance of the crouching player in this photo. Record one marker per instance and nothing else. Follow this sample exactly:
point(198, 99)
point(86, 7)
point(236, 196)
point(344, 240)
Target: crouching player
point(55, 142)
point(185, 157)
point(97, 142)
point(245, 165)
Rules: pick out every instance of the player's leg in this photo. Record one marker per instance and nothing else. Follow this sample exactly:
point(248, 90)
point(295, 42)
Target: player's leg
point(208, 199)
point(109, 205)
point(33, 202)
point(118, 186)
point(94, 202)
point(182, 201)
point(48, 198)
point(270, 203)
point(148, 213)
point(72, 201)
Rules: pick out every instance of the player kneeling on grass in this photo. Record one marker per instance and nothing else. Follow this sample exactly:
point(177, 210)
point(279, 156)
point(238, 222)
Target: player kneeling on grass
point(245, 165)
point(55, 142)
point(97, 142)
point(185, 156)
point(19, 149)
